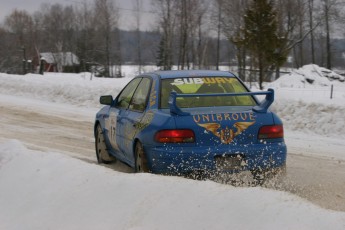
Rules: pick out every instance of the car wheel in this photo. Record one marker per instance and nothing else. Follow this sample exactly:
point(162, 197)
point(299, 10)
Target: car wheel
point(140, 159)
point(101, 148)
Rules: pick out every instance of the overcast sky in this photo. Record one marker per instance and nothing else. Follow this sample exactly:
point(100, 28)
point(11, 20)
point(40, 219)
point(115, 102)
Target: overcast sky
point(127, 20)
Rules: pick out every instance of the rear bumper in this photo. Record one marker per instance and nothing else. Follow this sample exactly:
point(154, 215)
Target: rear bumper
point(180, 160)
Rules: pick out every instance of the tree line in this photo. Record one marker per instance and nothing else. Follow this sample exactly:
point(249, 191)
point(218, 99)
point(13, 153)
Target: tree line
point(262, 35)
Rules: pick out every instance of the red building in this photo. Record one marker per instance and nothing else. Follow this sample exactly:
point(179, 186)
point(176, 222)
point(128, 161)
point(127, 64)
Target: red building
point(57, 62)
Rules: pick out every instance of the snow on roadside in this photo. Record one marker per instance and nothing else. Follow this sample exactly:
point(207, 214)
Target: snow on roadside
point(76, 89)
point(309, 76)
point(304, 104)
point(54, 191)
point(303, 107)
point(311, 118)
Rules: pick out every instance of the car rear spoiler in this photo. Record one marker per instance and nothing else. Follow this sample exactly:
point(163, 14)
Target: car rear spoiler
point(261, 108)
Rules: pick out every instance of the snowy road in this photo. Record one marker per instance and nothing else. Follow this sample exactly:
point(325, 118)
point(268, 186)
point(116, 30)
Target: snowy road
point(54, 127)
point(44, 131)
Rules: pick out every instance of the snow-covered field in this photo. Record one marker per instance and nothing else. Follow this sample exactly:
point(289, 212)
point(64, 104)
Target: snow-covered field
point(47, 189)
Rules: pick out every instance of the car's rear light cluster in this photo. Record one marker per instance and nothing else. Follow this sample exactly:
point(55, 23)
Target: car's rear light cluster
point(175, 136)
point(271, 132)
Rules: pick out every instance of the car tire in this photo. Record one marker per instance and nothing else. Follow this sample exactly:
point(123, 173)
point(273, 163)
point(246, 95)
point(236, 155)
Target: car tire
point(102, 154)
point(140, 159)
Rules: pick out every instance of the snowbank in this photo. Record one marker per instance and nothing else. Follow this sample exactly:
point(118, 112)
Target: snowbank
point(303, 101)
point(76, 89)
point(309, 76)
point(303, 106)
point(41, 190)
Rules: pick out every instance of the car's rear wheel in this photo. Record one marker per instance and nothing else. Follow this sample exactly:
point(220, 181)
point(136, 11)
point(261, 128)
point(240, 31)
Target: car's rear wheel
point(101, 148)
point(140, 159)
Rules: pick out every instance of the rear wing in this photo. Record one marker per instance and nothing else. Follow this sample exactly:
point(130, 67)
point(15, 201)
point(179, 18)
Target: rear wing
point(261, 108)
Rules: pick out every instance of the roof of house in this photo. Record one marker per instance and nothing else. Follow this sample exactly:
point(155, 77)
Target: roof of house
point(63, 58)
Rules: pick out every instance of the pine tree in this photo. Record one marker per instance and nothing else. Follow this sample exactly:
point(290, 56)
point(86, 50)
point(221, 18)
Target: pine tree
point(160, 54)
point(260, 36)
point(163, 55)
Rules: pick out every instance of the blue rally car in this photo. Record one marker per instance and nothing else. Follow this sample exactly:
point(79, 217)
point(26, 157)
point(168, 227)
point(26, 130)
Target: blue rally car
point(177, 122)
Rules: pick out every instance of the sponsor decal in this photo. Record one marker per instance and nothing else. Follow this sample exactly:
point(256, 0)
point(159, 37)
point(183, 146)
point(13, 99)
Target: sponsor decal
point(111, 124)
point(130, 133)
point(218, 117)
point(146, 121)
point(211, 123)
point(206, 80)
point(153, 95)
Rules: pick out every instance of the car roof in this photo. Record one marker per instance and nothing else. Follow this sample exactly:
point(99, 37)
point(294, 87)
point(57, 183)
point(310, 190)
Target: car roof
point(192, 73)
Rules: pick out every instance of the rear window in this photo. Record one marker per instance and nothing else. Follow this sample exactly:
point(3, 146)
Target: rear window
point(205, 85)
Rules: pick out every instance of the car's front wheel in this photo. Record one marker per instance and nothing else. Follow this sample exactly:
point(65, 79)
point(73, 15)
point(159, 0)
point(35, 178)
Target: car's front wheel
point(140, 159)
point(101, 148)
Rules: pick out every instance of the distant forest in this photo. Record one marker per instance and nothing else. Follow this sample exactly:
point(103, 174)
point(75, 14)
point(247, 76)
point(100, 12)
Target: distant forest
point(150, 48)
point(264, 35)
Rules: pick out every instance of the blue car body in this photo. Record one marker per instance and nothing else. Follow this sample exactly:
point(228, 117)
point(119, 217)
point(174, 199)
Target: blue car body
point(226, 138)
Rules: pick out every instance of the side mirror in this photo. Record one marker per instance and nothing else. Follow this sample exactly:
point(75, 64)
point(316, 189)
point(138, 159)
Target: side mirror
point(106, 100)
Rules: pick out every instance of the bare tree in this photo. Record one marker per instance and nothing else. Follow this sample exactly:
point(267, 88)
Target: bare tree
point(85, 39)
point(300, 13)
point(330, 13)
point(180, 29)
point(20, 24)
point(53, 21)
point(232, 22)
point(293, 30)
point(183, 33)
point(311, 25)
point(199, 34)
point(57, 26)
point(189, 25)
point(106, 20)
point(167, 21)
point(137, 9)
point(2, 50)
point(218, 33)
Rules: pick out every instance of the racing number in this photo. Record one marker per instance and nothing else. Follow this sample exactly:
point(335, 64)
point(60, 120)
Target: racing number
point(113, 121)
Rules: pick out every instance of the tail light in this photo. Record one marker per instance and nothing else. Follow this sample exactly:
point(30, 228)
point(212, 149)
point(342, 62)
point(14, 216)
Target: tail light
point(175, 136)
point(271, 132)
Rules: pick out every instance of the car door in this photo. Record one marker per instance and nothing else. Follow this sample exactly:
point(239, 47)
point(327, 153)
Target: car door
point(116, 114)
point(130, 119)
